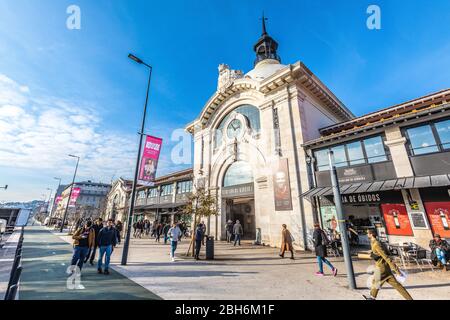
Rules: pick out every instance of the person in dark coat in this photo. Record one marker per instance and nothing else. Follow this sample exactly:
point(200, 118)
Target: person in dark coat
point(320, 246)
point(199, 235)
point(107, 238)
point(440, 250)
point(97, 226)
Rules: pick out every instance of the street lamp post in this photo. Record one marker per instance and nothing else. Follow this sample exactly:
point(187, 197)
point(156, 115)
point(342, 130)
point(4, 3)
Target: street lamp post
point(70, 194)
point(136, 172)
point(56, 193)
point(342, 226)
point(49, 198)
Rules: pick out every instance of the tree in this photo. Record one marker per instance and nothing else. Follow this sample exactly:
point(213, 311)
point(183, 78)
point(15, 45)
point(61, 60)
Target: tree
point(201, 204)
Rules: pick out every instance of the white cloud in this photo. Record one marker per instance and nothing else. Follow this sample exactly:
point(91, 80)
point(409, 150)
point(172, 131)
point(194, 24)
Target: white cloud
point(39, 132)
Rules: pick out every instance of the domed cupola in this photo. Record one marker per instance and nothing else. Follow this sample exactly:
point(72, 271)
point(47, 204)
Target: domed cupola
point(266, 47)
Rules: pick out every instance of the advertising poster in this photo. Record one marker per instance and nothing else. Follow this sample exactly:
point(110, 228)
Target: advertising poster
point(149, 160)
point(397, 220)
point(74, 197)
point(58, 200)
point(329, 218)
point(281, 186)
point(439, 216)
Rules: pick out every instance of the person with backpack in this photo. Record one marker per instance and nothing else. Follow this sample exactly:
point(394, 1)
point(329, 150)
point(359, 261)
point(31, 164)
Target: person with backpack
point(384, 268)
point(286, 242)
point(320, 245)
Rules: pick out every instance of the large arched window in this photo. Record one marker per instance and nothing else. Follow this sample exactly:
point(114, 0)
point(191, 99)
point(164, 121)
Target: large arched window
point(238, 173)
point(248, 111)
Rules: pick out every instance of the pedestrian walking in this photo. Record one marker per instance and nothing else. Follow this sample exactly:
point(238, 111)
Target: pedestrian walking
point(204, 231)
point(238, 231)
point(165, 231)
point(158, 232)
point(119, 228)
point(199, 236)
point(106, 241)
point(286, 242)
point(229, 230)
point(84, 239)
point(97, 226)
point(320, 245)
point(384, 269)
point(174, 234)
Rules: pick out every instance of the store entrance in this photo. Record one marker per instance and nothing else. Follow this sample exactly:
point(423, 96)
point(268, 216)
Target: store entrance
point(243, 210)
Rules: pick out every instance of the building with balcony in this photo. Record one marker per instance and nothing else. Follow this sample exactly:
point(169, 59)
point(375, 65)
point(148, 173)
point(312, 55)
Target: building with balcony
point(393, 168)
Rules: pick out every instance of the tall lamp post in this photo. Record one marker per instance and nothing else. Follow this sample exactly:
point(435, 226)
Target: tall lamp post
point(54, 200)
point(342, 226)
point(70, 194)
point(136, 171)
point(49, 198)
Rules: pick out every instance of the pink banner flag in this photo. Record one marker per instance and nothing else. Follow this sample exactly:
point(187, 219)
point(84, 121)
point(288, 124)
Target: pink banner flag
point(74, 197)
point(149, 160)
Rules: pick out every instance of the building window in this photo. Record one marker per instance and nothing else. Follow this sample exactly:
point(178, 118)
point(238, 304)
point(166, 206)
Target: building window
point(141, 195)
point(184, 187)
point(153, 193)
point(166, 190)
point(429, 138)
point(248, 111)
point(375, 150)
point(370, 150)
point(443, 131)
point(238, 173)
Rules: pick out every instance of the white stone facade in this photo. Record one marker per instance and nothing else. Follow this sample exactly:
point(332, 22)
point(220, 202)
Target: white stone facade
point(303, 105)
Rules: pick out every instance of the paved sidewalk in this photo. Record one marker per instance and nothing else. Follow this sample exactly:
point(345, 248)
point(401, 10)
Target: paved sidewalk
point(45, 260)
point(254, 272)
point(7, 254)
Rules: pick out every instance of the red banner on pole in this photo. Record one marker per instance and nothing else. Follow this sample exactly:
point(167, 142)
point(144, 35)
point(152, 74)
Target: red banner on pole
point(149, 160)
point(74, 196)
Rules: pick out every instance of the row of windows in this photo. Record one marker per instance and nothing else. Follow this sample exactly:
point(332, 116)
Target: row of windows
point(370, 150)
point(182, 187)
point(429, 138)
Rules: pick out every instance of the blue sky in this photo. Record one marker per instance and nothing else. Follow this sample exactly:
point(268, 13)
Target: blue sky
point(74, 91)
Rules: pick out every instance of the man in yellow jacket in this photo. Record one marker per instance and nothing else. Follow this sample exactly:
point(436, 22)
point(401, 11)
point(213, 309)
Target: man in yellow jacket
point(384, 268)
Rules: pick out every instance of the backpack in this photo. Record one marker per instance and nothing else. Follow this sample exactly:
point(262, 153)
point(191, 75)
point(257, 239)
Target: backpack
point(325, 240)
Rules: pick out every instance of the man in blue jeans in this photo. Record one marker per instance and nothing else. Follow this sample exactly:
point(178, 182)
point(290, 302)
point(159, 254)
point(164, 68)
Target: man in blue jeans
point(84, 238)
point(238, 231)
point(107, 238)
point(175, 235)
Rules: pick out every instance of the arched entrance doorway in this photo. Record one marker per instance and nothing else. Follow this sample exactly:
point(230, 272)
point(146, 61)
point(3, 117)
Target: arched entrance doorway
point(238, 194)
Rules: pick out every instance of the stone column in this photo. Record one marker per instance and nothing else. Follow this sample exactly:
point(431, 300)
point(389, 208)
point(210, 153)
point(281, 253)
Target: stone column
point(396, 143)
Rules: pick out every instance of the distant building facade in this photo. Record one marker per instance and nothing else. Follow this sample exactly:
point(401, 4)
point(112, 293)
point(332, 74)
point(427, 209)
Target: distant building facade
point(88, 200)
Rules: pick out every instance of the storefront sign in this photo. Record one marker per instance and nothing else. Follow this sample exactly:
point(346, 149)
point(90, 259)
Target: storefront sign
point(418, 220)
point(329, 218)
point(281, 186)
point(238, 191)
point(361, 198)
point(396, 219)
point(149, 160)
point(439, 217)
point(355, 175)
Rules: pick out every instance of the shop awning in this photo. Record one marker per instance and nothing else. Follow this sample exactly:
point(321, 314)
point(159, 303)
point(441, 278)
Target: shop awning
point(385, 185)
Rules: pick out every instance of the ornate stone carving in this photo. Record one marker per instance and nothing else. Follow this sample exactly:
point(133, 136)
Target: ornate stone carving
point(227, 77)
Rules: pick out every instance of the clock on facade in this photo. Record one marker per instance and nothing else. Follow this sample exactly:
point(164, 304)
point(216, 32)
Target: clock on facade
point(234, 129)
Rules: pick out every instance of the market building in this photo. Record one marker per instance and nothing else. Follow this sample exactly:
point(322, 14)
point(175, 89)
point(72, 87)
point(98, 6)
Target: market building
point(393, 168)
point(248, 144)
